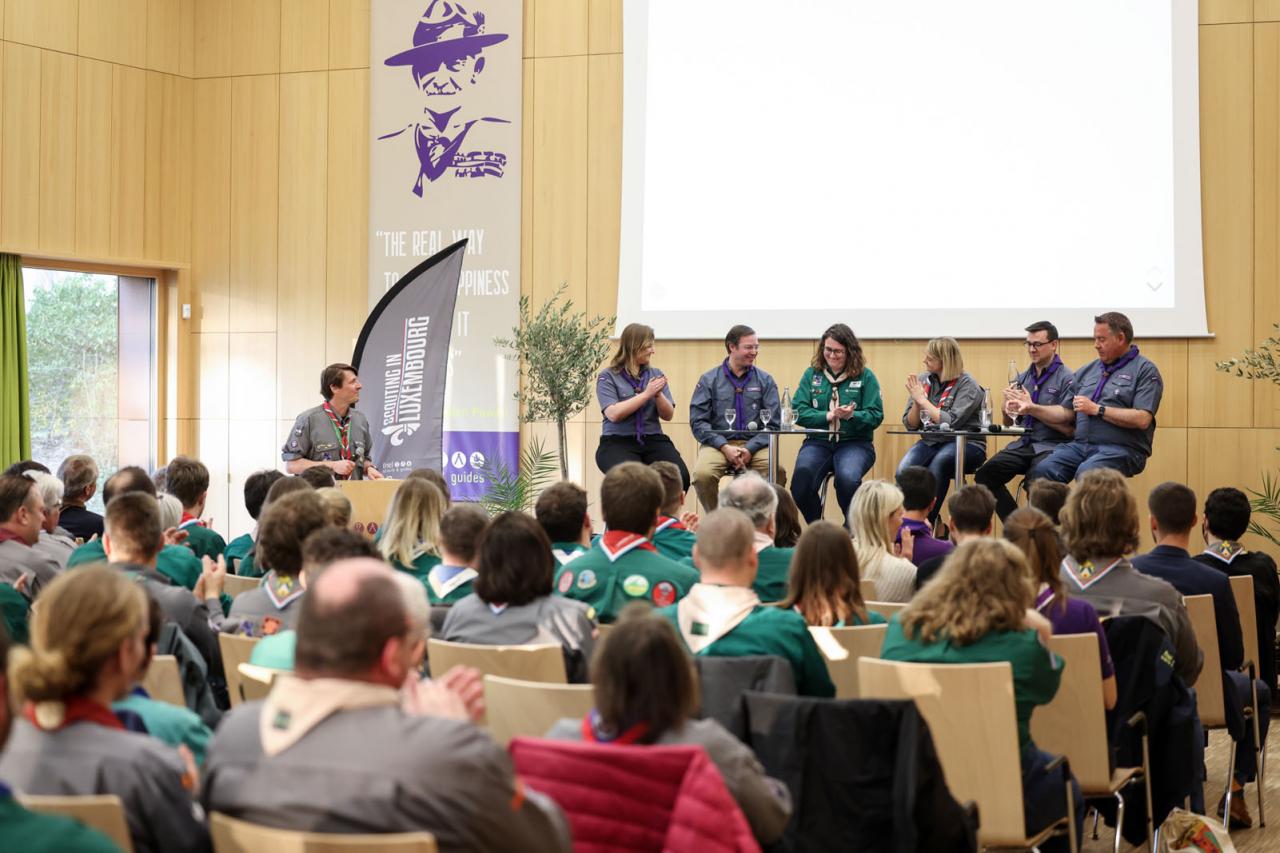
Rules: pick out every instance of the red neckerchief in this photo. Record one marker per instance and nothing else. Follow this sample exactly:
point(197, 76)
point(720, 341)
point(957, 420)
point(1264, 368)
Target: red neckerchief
point(77, 709)
point(7, 535)
point(615, 543)
point(341, 428)
point(188, 519)
point(666, 521)
point(946, 391)
point(591, 732)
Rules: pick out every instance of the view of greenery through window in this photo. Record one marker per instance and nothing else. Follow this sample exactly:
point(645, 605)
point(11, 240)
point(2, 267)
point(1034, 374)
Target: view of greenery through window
point(73, 362)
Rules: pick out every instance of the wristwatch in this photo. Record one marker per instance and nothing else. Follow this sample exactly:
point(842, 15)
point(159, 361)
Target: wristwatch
point(1102, 411)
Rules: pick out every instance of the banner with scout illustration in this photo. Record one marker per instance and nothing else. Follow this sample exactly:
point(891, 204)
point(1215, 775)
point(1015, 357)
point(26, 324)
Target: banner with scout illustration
point(444, 166)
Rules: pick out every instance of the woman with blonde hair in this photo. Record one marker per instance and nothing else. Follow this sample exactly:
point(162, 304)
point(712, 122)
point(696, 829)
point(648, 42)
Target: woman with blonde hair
point(87, 651)
point(943, 398)
point(874, 519)
point(978, 610)
point(634, 399)
point(824, 585)
point(410, 534)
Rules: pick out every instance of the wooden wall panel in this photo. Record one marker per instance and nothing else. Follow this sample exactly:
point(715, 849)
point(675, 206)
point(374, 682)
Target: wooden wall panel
point(560, 28)
point(560, 178)
point(212, 38)
point(1230, 457)
point(167, 225)
point(170, 36)
point(255, 143)
point(604, 26)
point(213, 358)
point(257, 446)
point(1266, 207)
point(20, 200)
point(114, 31)
point(1226, 11)
point(93, 158)
point(58, 80)
point(51, 24)
point(211, 205)
point(213, 447)
point(348, 33)
point(252, 375)
point(128, 161)
point(604, 181)
point(1266, 10)
point(347, 237)
point(304, 35)
point(255, 37)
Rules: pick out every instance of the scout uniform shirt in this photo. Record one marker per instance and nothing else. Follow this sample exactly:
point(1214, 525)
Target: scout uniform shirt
point(17, 558)
point(730, 621)
point(175, 562)
point(1134, 383)
point(958, 401)
point(448, 584)
point(237, 549)
point(40, 833)
point(1054, 386)
point(773, 568)
point(715, 392)
point(420, 568)
point(200, 539)
point(270, 608)
point(813, 400)
point(567, 552)
point(314, 436)
point(623, 567)
point(673, 540)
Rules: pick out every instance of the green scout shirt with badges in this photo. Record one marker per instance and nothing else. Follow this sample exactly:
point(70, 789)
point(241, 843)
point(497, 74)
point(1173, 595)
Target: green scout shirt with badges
point(1037, 672)
point(423, 564)
point(16, 612)
point(175, 562)
point(621, 568)
point(449, 584)
point(567, 552)
point(202, 541)
point(773, 572)
point(237, 549)
point(812, 401)
point(32, 832)
point(249, 568)
point(672, 539)
point(320, 437)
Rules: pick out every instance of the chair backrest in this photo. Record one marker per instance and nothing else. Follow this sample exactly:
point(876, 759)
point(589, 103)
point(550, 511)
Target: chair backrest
point(1246, 604)
point(439, 612)
point(238, 836)
point(163, 681)
point(103, 812)
point(233, 585)
point(1074, 724)
point(1208, 686)
point(256, 681)
point(536, 662)
point(842, 647)
point(868, 588)
point(970, 712)
point(529, 708)
point(887, 609)
point(604, 630)
point(236, 650)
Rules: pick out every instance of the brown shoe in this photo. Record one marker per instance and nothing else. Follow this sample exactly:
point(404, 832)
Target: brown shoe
point(1240, 818)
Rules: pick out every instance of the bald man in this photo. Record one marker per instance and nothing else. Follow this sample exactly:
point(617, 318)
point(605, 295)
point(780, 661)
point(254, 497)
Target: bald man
point(335, 749)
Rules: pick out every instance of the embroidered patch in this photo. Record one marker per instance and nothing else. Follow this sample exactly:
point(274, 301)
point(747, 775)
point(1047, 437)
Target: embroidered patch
point(282, 720)
point(664, 593)
point(270, 626)
point(587, 579)
point(635, 585)
point(591, 613)
point(297, 431)
point(372, 528)
point(699, 629)
point(1166, 657)
point(293, 443)
point(565, 583)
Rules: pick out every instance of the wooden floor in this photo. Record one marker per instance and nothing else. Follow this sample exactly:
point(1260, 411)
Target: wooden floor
point(1254, 840)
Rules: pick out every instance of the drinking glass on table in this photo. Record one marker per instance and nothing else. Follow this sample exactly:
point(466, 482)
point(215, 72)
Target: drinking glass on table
point(730, 415)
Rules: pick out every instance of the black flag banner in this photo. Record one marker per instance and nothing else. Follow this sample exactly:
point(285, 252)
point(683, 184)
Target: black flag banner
point(401, 356)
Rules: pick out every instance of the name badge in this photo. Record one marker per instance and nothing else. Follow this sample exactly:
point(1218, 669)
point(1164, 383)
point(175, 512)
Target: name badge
point(857, 383)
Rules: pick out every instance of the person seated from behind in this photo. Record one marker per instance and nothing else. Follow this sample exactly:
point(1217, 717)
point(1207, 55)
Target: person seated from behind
point(919, 496)
point(979, 610)
point(410, 535)
point(1173, 517)
point(21, 520)
point(79, 476)
point(623, 566)
point(1100, 526)
point(756, 498)
point(338, 747)
point(187, 479)
point(460, 530)
point(337, 506)
point(824, 587)
point(55, 542)
point(561, 509)
point(673, 537)
point(273, 605)
point(512, 602)
point(321, 549)
point(86, 652)
point(875, 518)
point(646, 692)
point(972, 509)
point(1032, 532)
point(786, 519)
point(1226, 519)
point(255, 494)
point(319, 477)
point(722, 615)
point(249, 567)
point(436, 479)
point(1048, 496)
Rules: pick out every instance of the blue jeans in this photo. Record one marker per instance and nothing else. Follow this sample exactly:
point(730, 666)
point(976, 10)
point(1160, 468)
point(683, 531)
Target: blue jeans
point(1246, 758)
point(941, 460)
point(1044, 798)
point(850, 460)
point(1074, 458)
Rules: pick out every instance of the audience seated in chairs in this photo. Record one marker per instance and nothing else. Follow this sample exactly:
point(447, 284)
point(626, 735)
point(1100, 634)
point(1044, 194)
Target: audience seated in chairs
point(337, 506)
point(646, 693)
point(722, 615)
point(249, 566)
point(79, 476)
point(86, 652)
point(460, 529)
point(758, 501)
point(345, 753)
point(322, 478)
point(825, 588)
point(255, 495)
point(1048, 496)
point(786, 518)
point(561, 509)
point(409, 538)
point(187, 479)
point(512, 602)
point(436, 479)
point(972, 510)
point(979, 610)
point(55, 542)
point(673, 537)
point(21, 520)
point(874, 520)
point(919, 497)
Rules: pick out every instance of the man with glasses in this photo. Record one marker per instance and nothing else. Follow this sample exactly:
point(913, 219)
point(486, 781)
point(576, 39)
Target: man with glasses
point(1035, 400)
point(733, 395)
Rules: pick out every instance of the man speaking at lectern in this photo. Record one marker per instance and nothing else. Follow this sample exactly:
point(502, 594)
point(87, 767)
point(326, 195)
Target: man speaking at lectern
point(333, 434)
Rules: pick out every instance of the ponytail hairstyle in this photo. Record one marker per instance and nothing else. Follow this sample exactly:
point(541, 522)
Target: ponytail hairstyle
point(83, 618)
point(1033, 532)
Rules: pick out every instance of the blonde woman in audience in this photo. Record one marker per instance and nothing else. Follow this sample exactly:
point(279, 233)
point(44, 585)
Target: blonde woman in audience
point(410, 535)
point(87, 651)
point(337, 507)
point(874, 519)
point(824, 584)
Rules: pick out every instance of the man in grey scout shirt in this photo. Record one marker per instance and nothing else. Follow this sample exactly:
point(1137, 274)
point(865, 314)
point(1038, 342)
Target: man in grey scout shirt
point(333, 434)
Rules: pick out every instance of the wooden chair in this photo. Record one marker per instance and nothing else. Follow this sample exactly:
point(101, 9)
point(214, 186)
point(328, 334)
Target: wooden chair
point(536, 662)
point(842, 648)
point(163, 681)
point(1074, 724)
point(529, 708)
point(1246, 605)
point(256, 681)
point(103, 812)
point(868, 589)
point(970, 712)
point(238, 836)
point(235, 584)
point(887, 609)
point(1209, 696)
point(235, 651)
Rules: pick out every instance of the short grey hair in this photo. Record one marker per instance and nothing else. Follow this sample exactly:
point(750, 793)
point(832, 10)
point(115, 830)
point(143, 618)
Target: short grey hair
point(751, 494)
point(49, 486)
point(170, 511)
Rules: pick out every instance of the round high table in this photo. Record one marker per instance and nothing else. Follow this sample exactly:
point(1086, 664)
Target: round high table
point(773, 441)
point(961, 437)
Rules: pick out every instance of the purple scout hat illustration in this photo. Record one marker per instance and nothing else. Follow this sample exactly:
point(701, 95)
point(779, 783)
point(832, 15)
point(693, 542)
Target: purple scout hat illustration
point(447, 30)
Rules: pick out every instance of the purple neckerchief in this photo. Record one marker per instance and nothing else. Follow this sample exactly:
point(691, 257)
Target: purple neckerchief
point(739, 385)
point(1108, 371)
point(637, 385)
point(1037, 382)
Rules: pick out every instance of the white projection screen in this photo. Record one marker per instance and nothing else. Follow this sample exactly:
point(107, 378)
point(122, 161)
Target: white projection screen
point(940, 167)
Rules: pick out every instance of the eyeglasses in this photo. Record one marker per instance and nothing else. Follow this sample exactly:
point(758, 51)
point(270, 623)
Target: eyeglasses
point(753, 348)
point(830, 351)
point(1035, 345)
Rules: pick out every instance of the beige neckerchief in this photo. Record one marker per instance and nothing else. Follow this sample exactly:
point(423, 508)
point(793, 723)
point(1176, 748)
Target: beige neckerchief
point(296, 706)
point(709, 612)
point(834, 402)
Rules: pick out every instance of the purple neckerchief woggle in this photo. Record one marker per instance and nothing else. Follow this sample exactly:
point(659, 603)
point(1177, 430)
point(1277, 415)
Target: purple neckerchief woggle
point(1037, 382)
point(1109, 371)
point(739, 385)
point(638, 385)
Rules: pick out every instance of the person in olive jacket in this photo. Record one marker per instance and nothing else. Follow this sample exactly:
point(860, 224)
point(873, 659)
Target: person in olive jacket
point(837, 392)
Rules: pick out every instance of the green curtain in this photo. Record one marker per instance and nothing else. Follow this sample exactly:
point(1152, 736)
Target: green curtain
point(15, 409)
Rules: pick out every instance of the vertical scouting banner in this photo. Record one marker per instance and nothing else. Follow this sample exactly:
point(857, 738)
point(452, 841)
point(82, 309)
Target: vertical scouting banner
point(444, 167)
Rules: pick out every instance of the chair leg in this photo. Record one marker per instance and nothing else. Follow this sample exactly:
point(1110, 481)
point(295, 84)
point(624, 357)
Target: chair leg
point(1153, 834)
point(1260, 752)
point(1071, 813)
point(1119, 821)
point(1231, 777)
point(1095, 824)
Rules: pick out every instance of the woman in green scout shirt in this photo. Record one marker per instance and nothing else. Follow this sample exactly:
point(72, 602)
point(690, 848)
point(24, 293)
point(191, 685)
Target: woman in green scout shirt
point(824, 584)
point(412, 528)
point(978, 610)
point(837, 392)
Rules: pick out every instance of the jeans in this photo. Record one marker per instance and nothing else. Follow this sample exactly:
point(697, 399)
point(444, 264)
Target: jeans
point(850, 460)
point(941, 460)
point(1044, 798)
point(1246, 758)
point(1074, 458)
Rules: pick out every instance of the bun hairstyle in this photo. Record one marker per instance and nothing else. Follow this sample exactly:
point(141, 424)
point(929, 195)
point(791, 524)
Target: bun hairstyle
point(1034, 534)
point(83, 618)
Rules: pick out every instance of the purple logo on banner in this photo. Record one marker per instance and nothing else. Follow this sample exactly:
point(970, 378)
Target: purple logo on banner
point(465, 455)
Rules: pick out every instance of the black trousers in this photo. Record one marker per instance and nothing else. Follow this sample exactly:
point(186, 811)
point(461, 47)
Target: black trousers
point(616, 449)
point(996, 473)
